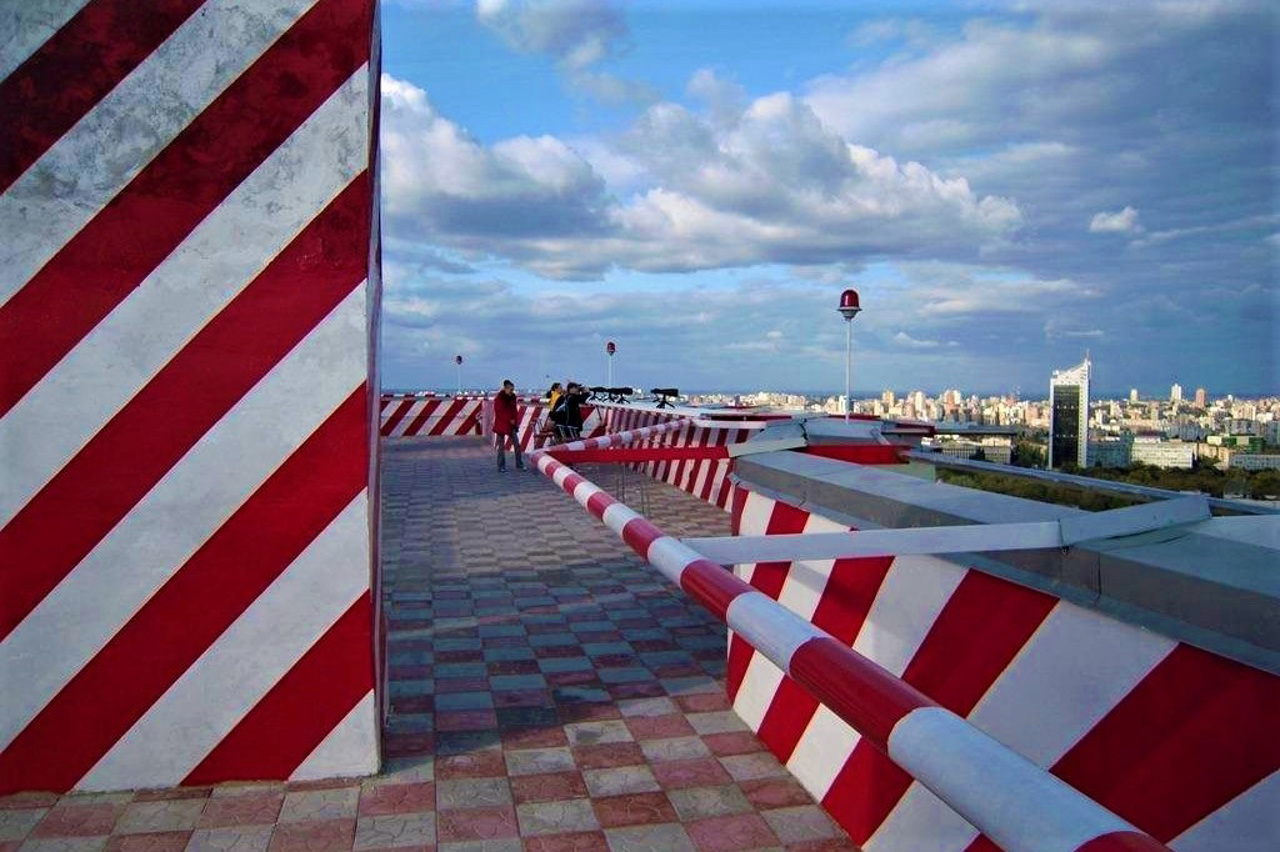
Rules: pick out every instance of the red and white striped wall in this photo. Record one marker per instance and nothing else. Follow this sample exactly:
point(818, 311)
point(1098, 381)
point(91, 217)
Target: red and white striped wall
point(1177, 741)
point(408, 416)
point(188, 300)
point(707, 479)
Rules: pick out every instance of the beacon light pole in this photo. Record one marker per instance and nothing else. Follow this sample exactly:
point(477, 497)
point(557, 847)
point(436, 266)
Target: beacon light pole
point(848, 309)
point(609, 349)
point(457, 360)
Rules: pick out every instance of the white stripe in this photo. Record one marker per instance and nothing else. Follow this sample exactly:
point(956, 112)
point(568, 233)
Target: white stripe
point(757, 510)
point(561, 475)
point(802, 590)
point(129, 127)
point(760, 683)
point(350, 749)
point(246, 661)
point(585, 491)
point(770, 628)
point(670, 556)
point(147, 547)
point(913, 593)
point(617, 515)
point(1013, 801)
point(825, 746)
point(402, 427)
point(25, 26)
point(1071, 673)
point(544, 461)
point(179, 297)
point(1248, 823)
point(801, 593)
point(721, 471)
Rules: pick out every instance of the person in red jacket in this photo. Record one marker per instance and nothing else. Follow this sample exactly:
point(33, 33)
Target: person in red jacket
point(506, 422)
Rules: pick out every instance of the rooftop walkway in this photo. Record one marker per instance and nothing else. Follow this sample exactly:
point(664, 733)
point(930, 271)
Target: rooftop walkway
point(549, 692)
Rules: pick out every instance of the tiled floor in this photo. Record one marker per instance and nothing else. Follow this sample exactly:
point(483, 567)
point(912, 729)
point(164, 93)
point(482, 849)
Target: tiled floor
point(548, 692)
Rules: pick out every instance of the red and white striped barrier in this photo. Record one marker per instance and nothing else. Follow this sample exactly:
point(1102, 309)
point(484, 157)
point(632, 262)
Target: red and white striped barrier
point(1175, 740)
point(1013, 801)
point(188, 203)
point(436, 417)
point(706, 479)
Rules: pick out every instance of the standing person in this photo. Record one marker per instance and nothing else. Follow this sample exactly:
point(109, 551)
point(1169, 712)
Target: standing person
point(553, 396)
point(574, 397)
point(506, 424)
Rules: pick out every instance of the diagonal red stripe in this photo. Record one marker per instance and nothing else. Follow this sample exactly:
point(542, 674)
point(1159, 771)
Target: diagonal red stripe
point(125, 459)
point(295, 716)
point(846, 599)
point(57, 85)
point(190, 611)
point(421, 418)
point(769, 578)
point(180, 187)
point(1195, 733)
point(722, 439)
point(983, 625)
point(396, 416)
point(445, 419)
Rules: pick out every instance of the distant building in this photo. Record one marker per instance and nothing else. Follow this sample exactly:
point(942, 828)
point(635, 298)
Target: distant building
point(1111, 451)
point(1133, 394)
point(1069, 416)
point(1163, 453)
point(1175, 393)
point(1202, 398)
point(1253, 461)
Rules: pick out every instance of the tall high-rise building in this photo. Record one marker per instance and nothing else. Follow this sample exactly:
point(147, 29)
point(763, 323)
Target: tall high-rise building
point(1202, 398)
point(1175, 393)
point(1069, 416)
point(1133, 394)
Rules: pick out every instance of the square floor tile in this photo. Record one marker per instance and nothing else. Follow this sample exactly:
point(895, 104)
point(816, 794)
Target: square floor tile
point(731, 833)
point(702, 802)
point(539, 761)
point(597, 732)
point(699, 772)
point(385, 799)
point(556, 817)
point(779, 792)
point(476, 824)
point(550, 787)
point(487, 763)
point(164, 815)
point(316, 805)
point(473, 793)
point(330, 835)
point(16, 824)
point(748, 767)
point(650, 838)
point(392, 831)
point(582, 841)
point(243, 838)
point(249, 809)
point(86, 820)
point(634, 809)
point(618, 780)
point(798, 824)
point(607, 755)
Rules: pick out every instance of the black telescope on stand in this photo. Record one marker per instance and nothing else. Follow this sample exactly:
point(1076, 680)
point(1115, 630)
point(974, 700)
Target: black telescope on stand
point(666, 397)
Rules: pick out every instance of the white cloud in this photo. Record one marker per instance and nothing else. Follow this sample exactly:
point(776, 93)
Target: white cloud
point(759, 182)
point(1121, 222)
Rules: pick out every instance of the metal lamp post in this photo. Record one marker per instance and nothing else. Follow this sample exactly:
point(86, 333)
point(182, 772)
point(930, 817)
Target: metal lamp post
point(457, 360)
point(609, 349)
point(848, 309)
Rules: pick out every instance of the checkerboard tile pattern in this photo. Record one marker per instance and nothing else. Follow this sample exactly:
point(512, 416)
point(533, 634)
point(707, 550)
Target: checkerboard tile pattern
point(549, 693)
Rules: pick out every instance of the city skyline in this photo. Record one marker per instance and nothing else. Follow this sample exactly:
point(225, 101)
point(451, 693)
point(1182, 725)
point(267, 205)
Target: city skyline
point(1005, 184)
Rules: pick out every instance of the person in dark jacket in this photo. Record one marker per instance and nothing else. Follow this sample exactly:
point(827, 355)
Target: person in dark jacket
point(574, 396)
point(506, 424)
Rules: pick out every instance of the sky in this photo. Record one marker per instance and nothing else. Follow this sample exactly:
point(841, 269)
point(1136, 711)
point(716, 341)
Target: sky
point(1007, 185)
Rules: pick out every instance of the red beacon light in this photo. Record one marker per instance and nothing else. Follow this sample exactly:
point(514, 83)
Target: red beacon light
point(610, 348)
point(849, 306)
point(457, 359)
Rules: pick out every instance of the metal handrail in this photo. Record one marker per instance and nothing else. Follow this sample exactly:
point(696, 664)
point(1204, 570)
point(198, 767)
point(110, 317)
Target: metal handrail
point(1018, 804)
